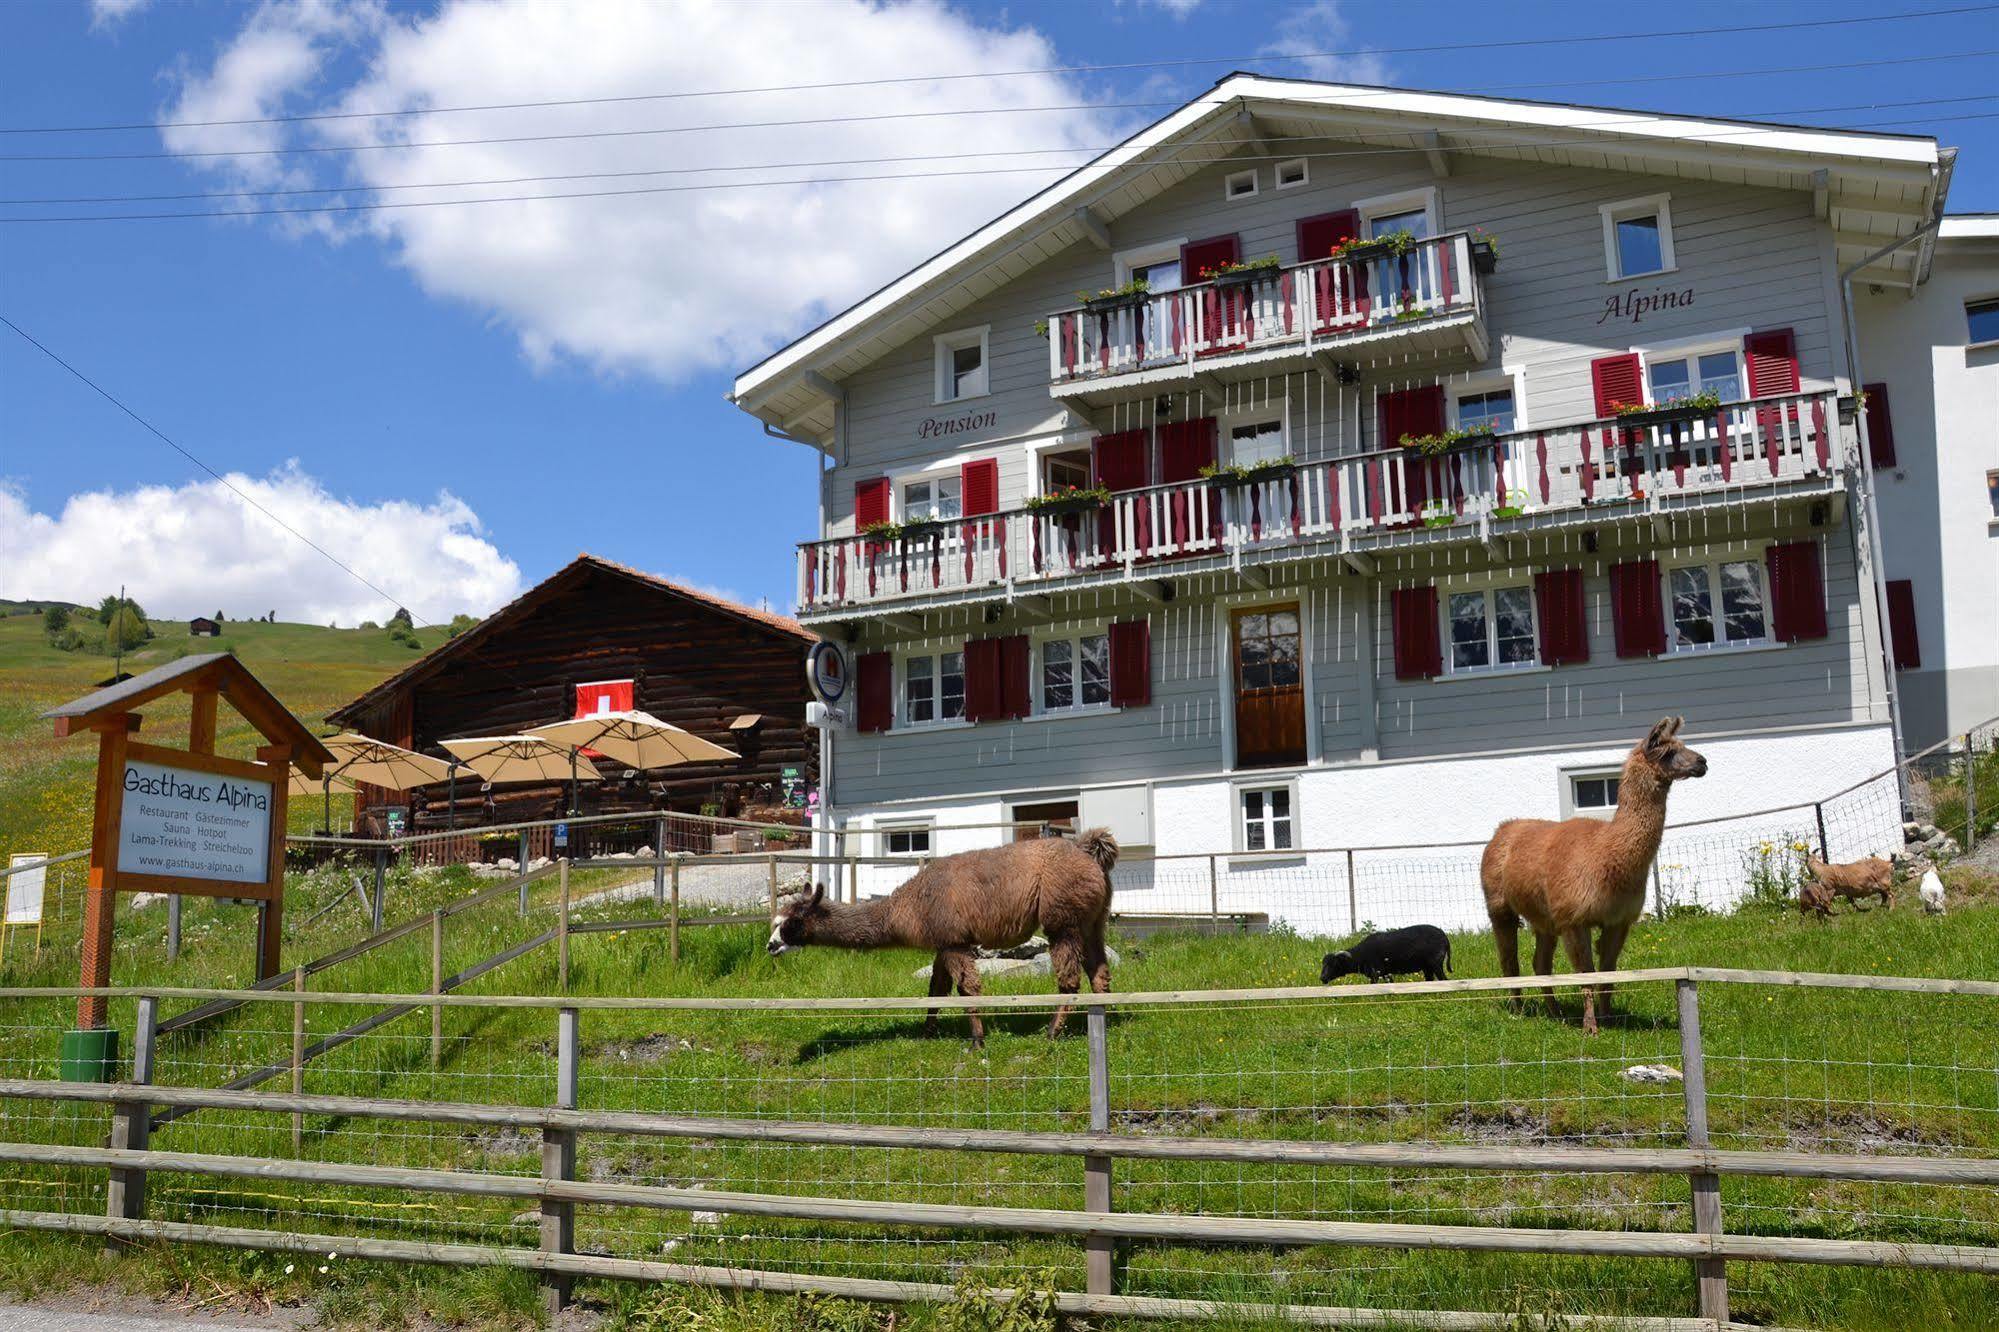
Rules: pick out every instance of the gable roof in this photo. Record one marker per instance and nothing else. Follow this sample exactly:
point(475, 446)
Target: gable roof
point(1874, 187)
point(220, 671)
point(557, 583)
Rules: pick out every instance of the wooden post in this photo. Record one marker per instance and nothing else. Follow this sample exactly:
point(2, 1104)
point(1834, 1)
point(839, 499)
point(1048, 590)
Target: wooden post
point(381, 879)
point(1710, 1274)
point(1353, 897)
point(1825, 847)
point(1098, 1249)
point(298, 1057)
point(853, 876)
point(1214, 900)
point(659, 870)
point(558, 1161)
point(436, 987)
point(773, 887)
point(673, 921)
point(132, 1122)
point(200, 740)
point(271, 913)
point(520, 865)
point(1970, 795)
point(562, 925)
point(100, 894)
point(1658, 893)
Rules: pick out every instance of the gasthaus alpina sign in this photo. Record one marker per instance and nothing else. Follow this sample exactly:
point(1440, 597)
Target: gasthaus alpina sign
point(194, 823)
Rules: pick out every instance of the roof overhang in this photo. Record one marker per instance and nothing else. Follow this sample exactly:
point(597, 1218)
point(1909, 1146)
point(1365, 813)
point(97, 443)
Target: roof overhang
point(1872, 188)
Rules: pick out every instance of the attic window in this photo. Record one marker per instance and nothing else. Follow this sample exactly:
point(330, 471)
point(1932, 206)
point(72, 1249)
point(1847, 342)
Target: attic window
point(1240, 185)
point(1292, 174)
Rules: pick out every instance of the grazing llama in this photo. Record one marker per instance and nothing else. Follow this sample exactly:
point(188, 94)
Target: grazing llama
point(1569, 878)
point(994, 898)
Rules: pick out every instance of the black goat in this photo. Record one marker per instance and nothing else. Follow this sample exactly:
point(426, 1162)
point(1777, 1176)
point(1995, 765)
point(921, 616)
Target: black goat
point(1392, 953)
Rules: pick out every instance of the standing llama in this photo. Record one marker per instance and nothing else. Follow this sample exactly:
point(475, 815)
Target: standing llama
point(994, 898)
point(1569, 878)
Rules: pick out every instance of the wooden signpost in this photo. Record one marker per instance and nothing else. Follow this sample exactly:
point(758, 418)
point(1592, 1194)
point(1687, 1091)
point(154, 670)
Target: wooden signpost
point(183, 820)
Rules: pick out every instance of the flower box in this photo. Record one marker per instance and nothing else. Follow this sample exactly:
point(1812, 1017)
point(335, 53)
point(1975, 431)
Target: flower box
point(1099, 304)
point(1241, 478)
point(1432, 446)
point(1664, 415)
point(1484, 257)
point(923, 529)
point(1068, 501)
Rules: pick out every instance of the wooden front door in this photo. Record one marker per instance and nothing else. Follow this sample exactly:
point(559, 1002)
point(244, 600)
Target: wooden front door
point(1269, 687)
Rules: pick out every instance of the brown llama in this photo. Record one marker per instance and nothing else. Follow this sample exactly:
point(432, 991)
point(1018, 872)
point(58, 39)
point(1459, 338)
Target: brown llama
point(1870, 877)
point(1569, 878)
point(994, 898)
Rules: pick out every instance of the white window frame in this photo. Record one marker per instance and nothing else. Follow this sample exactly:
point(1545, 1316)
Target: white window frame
point(1227, 421)
point(1229, 194)
point(1424, 200)
point(1304, 166)
point(1487, 586)
point(930, 477)
point(925, 826)
point(1074, 637)
point(946, 343)
point(1992, 496)
point(1142, 256)
point(1490, 381)
point(1970, 301)
point(1239, 818)
point(1622, 209)
point(902, 718)
point(1067, 442)
point(1756, 558)
point(1570, 776)
point(1691, 348)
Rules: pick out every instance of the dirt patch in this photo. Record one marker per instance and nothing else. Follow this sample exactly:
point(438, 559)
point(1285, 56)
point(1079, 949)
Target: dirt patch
point(505, 1142)
point(1181, 1119)
point(611, 1168)
point(1513, 1124)
point(654, 1049)
point(1389, 1109)
point(762, 1053)
point(1862, 1133)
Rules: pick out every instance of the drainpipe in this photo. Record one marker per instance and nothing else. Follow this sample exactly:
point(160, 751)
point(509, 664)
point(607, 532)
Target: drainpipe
point(1863, 471)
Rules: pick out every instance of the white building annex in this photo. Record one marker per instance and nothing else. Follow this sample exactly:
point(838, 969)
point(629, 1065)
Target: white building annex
point(1334, 467)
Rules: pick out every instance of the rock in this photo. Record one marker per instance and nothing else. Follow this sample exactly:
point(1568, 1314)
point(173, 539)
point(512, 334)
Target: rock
point(1912, 832)
point(507, 863)
point(1031, 948)
point(1651, 1073)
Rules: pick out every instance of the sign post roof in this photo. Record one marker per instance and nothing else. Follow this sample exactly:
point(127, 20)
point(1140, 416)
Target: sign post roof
point(208, 673)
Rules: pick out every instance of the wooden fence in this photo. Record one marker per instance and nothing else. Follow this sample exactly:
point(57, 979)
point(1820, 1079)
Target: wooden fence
point(138, 1107)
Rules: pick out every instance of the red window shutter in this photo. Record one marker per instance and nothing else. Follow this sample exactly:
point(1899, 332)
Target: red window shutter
point(1131, 663)
point(1197, 257)
point(874, 691)
point(1773, 362)
point(1416, 411)
point(1185, 447)
point(1318, 235)
point(981, 679)
point(1880, 429)
point(1558, 599)
point(1902, 624)
point(1015, 695)
point(1118, 461)
point(1637, 617)
point(1419, 652)
point(870, 502)
point(978, 487)
point(1797, 593)
point(1616, 379)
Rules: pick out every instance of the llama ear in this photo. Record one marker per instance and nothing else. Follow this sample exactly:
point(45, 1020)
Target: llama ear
point(1662, 731)
point(818, 895)
point(1678, 722)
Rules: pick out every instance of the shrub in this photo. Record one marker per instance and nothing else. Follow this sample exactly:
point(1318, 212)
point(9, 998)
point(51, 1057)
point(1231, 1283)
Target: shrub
point(401, 620)
point(459, 624)
point(55, 619)
point(1775, 870)
point(126, 630)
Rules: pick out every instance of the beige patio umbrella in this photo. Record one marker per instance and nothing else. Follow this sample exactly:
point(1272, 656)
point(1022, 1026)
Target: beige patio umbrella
point(301, 784)
point(636, 739)
point(515, 758)
point(361, 758)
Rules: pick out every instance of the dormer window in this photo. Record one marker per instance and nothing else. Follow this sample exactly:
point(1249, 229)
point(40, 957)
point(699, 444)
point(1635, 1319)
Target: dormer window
point(961, 364)
point(1638, 237)
point(1292, 174)
point(1240, 185)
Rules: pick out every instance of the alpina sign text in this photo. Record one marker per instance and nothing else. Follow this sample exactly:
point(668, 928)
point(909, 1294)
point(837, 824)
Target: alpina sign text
point(1635, 305)
point(194, 825)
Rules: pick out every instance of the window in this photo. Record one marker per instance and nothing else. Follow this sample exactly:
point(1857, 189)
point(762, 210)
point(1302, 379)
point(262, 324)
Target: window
point(1415, 221)
point(1076, 673)
point(1061, 471)
point(1982, 320)
point(1715, 605)
point(1491, 629)
point(1593, 793)
point(1292, 174)
point(1493, 410)
point(1638, 237)
point(1992, 493)
point(961, 364)
point(1256, 441)
point(1266, 818)
point(1157, 265)
point(1240, 185)
point(913, 840)
point(1716, 372)
point(937, 497)
point(1162, 275)
point(933, 688)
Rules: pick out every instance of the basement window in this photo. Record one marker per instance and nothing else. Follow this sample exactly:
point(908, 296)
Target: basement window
point(1239, 185)
point(1593, 793)
point(1266, 817)
point(913, 840)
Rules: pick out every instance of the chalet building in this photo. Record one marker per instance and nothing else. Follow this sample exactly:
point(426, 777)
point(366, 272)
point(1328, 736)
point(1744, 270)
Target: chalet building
point(1334, 466)
point(597, 636)
point(203, 627)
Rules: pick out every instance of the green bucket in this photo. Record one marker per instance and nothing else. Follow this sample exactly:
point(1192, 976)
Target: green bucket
point(90, 1055)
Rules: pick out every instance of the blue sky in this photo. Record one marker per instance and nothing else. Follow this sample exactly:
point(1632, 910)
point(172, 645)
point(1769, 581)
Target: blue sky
point(456, 400)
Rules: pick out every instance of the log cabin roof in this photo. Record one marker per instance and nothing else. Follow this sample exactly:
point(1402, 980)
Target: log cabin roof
point(550, 588)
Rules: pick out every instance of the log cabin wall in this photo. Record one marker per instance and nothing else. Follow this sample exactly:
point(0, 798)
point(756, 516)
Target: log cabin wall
point(692, 664)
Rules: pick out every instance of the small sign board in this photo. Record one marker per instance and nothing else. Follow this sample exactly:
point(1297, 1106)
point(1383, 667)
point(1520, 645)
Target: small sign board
point(562, 834)
point(194, 824)
point(26, 888)
point(794, 789)
point(826, 672)
point(395, 821)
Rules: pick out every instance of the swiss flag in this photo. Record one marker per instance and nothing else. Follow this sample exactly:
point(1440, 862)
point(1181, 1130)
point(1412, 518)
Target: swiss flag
point(602, 696)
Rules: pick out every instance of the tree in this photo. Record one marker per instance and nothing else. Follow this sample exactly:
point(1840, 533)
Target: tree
point(55, 619)
point(111, 605)
point(126, 630)
point(369, 624)
point(401, 620)
point(218, 617)
point(270, 617)
point(459, 624)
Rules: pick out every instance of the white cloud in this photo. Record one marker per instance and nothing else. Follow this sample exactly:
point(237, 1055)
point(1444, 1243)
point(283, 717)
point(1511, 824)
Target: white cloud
point(663, 284)
point(187, 550)
point(110, 13)
point(1309, 30)
point(1179, 9)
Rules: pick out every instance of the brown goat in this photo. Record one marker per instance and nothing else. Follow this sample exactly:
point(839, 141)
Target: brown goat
point(1569, 878)
point(1871, 877)
point(1814, 896)
point(994, 898)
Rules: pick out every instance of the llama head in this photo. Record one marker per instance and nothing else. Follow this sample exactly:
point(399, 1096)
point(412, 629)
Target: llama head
point(795, 917)
point(1335, 966)
point(1669, 760)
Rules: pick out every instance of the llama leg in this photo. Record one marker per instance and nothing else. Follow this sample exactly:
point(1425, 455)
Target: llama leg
point(1577, 943)
point(968, 985)
point(1096, 964)
point(1609, 945)
point(940, 983)
point(1506, 941)
point(1065, 956)
point(1544, 965)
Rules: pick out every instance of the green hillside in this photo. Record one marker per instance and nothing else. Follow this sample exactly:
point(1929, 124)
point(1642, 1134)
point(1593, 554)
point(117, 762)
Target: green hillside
point(45, 782)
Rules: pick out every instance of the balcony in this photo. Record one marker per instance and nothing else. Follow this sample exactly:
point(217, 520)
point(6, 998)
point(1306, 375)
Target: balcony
point(1427, 301)
point(1473, 491)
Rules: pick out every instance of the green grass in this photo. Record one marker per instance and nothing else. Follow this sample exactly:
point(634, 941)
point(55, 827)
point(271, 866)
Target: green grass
point(1788, 1068)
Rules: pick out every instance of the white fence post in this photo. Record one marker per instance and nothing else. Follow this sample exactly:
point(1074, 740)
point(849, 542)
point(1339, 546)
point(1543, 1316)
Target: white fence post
point(558, 1162)
point(1710, 1274)
point(1099, 1250)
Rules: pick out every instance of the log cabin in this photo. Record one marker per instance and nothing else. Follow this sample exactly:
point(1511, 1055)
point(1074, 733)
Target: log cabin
point(598, 635)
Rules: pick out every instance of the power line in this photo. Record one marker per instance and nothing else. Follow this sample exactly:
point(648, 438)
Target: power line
point(1183, 62)
point(895, 159)
point(707, 186)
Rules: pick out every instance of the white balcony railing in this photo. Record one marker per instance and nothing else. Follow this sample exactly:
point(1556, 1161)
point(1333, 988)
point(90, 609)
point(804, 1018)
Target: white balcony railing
point(1307, 305)
point(1722, 454)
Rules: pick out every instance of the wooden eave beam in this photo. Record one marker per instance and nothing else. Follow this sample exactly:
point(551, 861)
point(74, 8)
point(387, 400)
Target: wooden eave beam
point(1094, 228)
point(1433, 148)
point(1822, 194)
